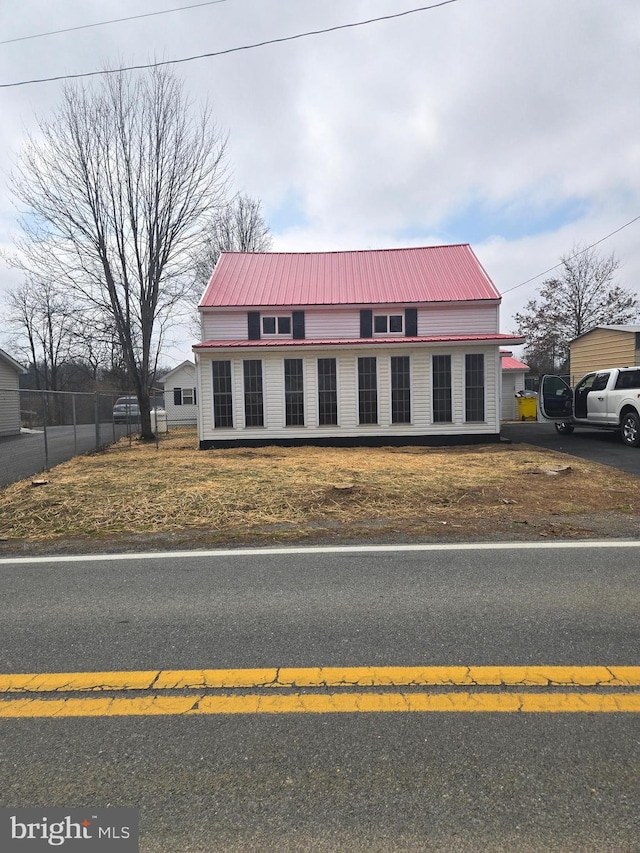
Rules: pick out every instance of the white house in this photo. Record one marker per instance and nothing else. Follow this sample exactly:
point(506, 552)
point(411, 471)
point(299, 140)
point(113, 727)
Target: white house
point(180, 394)
point(10, 370)
point(394, 346)
point(513, 373)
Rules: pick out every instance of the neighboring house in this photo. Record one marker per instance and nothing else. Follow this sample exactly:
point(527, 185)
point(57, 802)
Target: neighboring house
point(10, 370)
point(180, 395)
point(513, 373)
point(604, 347)
point(397, 346)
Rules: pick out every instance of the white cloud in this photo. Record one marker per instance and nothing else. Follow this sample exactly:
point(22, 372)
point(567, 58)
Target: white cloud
point(513, 126)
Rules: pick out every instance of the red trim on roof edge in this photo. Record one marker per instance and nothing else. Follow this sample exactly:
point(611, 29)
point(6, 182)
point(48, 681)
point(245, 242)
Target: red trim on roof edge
point(331, 342)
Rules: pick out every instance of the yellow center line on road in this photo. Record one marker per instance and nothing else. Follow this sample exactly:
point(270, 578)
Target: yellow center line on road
point(335, 703)
point(291, 677)
point(164, 691)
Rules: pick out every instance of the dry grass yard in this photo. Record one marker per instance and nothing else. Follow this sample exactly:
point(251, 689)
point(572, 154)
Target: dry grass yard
point(135, 496)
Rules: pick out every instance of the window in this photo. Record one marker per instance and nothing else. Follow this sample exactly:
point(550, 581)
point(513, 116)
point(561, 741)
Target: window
point(293, 392)
point(628, 379)
point(222, 399)
point(276, 325)
point(600, 382)
point(474, 387)
point(253, 405)
point(441, 370)
point(400, 390)
point(367, 390)
point(327, 392)
point(188, 396)
point(384, 324)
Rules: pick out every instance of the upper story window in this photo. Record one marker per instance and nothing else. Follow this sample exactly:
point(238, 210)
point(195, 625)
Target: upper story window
point(276, 325)
point(388, 324)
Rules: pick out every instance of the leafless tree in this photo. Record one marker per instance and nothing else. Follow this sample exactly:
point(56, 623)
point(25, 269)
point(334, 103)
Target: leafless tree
point(118, 186)
point(583, 296)
point(43, 323)
point(238, 226)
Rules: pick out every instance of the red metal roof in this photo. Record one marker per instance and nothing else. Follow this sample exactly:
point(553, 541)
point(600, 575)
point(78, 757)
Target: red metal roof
point(510, 363)
point(341, 342)
point(380, 276)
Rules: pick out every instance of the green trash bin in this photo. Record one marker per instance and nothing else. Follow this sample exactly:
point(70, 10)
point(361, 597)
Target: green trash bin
point(527, 408)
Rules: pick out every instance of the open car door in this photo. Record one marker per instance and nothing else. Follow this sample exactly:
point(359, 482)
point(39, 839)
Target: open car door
point(555, 399)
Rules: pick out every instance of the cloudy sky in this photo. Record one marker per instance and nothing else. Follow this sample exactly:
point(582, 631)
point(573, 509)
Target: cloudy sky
point(512, 125)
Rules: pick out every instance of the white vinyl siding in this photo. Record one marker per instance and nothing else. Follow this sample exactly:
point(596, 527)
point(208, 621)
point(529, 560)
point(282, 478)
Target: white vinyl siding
point(344, 322)
point(9, 400)
point(225, 326)
point(347, 383)
point(458, 320)
point(182, 377)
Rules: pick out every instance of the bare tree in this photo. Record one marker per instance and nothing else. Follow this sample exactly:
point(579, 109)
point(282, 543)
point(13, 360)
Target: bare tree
point(585, 295)
point(238, 226)
point(43, 323)
point(118, 186)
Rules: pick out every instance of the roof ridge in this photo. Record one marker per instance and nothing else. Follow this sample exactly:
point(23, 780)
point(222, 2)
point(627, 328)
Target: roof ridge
point(358, 251)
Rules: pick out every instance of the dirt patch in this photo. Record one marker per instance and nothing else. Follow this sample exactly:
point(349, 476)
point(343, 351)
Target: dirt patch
point(134, 497)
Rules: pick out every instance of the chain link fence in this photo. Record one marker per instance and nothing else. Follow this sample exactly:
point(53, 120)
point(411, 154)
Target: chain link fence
point(39, 429)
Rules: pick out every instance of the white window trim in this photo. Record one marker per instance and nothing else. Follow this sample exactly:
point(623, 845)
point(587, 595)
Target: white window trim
point(388, 315)
point(357, 394)
point(305, 393)
point(464, 375)
point(234, 412)
point(433, 422)
point(276, 334)
point(411, 394)
point(338, 395)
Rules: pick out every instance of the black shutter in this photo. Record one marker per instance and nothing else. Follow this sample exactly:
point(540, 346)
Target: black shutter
point(298, 325)
point(366, 323)
point(177, 396)
point(411, 322)
point(195, 402)
point(253, 325)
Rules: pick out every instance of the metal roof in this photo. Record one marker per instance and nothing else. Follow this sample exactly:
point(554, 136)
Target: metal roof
point(341, 342)
point(365, 277)
point(510, 363)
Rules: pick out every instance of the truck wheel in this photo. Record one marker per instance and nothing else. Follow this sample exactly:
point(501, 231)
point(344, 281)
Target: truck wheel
point(630, 429)
point(563, 428)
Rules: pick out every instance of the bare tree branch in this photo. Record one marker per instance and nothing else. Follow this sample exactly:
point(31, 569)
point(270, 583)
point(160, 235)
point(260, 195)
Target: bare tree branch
point(119, 186)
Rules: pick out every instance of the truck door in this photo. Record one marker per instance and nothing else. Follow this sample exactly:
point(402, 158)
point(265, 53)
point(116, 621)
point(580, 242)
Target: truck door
point(597, 399)
point(580, 395)
point(555, 399)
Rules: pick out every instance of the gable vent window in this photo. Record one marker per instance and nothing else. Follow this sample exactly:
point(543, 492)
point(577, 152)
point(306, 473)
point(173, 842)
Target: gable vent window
point(276, 326)
point(388, 324)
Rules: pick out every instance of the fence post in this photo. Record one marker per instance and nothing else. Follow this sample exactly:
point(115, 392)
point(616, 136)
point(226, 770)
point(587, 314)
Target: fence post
point(97, 420)
point(45, 415)
point(75, 425)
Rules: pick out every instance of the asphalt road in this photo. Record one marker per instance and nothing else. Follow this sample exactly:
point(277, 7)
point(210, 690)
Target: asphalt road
point(24, 455)
point(600, 446)
point(353, 782)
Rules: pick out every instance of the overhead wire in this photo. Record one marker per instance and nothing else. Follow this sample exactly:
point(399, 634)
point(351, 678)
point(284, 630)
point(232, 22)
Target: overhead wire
point(112, 21)
point(230, 49)
point(577, 255)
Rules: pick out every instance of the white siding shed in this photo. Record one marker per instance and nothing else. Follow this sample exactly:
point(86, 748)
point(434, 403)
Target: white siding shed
point(10, 370)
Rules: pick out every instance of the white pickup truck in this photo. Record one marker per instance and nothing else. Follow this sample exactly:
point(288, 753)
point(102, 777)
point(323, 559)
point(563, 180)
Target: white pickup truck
point(607, 399)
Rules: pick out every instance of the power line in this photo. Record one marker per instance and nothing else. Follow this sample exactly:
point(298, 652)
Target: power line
point(113, 21)
point(230, 49)
point(577, 254)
